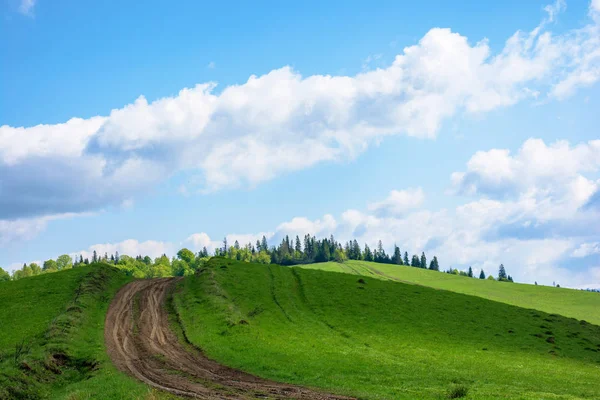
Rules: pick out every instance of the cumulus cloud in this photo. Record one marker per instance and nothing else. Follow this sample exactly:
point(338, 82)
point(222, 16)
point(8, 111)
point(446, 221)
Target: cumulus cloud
point(281, 121)
point(551, 181)
point(586, 249)
point(130, 247)
point(398, 202)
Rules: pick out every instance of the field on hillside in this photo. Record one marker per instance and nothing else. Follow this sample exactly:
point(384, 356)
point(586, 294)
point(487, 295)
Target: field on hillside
point(568, 302)
point(378, 339)
point(52, 337)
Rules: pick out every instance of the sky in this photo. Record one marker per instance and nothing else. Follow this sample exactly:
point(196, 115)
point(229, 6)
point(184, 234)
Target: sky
point(468, 131)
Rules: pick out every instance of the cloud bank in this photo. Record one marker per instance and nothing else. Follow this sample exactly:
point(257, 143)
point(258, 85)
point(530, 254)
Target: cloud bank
point(281, 121)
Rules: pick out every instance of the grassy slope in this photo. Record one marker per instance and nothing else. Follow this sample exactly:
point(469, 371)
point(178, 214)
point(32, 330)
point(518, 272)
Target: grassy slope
point(65, 332)
point(381, 339)
point(29, 305)
point(571, 303)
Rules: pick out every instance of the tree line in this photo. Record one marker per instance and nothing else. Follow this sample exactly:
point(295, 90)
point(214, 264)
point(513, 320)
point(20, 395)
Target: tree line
point(502, 275)
point(290, 251)
point(293, 251)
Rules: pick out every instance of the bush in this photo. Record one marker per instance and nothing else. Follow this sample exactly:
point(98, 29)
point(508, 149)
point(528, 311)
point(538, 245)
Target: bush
point(458, 391)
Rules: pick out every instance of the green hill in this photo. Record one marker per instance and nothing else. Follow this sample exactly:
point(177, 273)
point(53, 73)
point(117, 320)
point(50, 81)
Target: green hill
point(52, 337)
point(568, 302)
point(378, 339)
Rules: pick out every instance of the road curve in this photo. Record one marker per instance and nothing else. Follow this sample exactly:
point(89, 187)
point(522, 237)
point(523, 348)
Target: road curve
point(140, 343)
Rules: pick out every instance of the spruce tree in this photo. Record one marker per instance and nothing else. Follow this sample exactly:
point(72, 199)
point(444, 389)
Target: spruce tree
point(470, 273)
point(423, 261)
point(367, 255)
point(397, 257)
point(264, 245)
point(415, 262)
point(406, 258)
point(482, 275)
point(501, 273)
point(434, 265)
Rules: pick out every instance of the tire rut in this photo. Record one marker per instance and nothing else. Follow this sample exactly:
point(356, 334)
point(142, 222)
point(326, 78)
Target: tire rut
point(141, 344)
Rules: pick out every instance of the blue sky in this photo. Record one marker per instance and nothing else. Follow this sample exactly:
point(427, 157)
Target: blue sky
point(468, 131)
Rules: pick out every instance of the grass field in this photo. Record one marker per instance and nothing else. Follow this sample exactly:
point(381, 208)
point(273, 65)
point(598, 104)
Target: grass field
point(52, 345)
point(383, 339)
point(568, 302)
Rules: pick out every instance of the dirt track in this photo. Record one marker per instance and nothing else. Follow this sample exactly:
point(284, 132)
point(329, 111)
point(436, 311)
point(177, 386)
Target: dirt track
point(140, 343)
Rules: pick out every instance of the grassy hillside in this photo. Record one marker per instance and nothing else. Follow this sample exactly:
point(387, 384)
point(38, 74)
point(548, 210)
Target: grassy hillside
point(378, 339)
point(571, 303)
point(52, 337)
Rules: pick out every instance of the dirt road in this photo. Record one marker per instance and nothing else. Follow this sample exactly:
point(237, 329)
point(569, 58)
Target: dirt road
point(140, 343)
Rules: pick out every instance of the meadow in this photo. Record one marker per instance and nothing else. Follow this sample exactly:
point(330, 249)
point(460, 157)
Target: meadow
point(379, 339)
point(568, 302)
point(52, 337)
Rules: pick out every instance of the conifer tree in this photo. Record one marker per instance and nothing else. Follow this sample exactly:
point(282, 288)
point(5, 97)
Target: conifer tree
point(434, 265)
point(415, 261)
point(470, 273)
point(482, 275)
point(397, 257)
point(501, 273)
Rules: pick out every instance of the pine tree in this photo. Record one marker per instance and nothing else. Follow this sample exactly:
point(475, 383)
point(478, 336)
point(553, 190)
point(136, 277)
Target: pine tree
point(406, 258)
point(397, 257)
point(95, 257)
point(470, 273)
point(225, 245)
point(423, 261)
point(434, 265)
point(415, 261)
point(367, 255)
point(501, 273)
point(264, 245)
point(482, 275)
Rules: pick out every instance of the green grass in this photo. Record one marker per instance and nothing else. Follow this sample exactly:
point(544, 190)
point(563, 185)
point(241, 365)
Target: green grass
point(568, 302)
point(59, 318)
point(39, 299)
point(383, 339)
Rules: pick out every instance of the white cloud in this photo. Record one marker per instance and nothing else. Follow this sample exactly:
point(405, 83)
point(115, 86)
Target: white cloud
point(281, 122)
point(199, 240)
point(12, 231)
point(398, 202)
point(301, 226)
point(554, 9)
point(26, 7)
point(130, 247)
point(550, 181)
point(586, 249)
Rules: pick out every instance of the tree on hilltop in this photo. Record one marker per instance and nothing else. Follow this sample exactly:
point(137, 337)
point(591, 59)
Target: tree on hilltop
point(502, 273)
